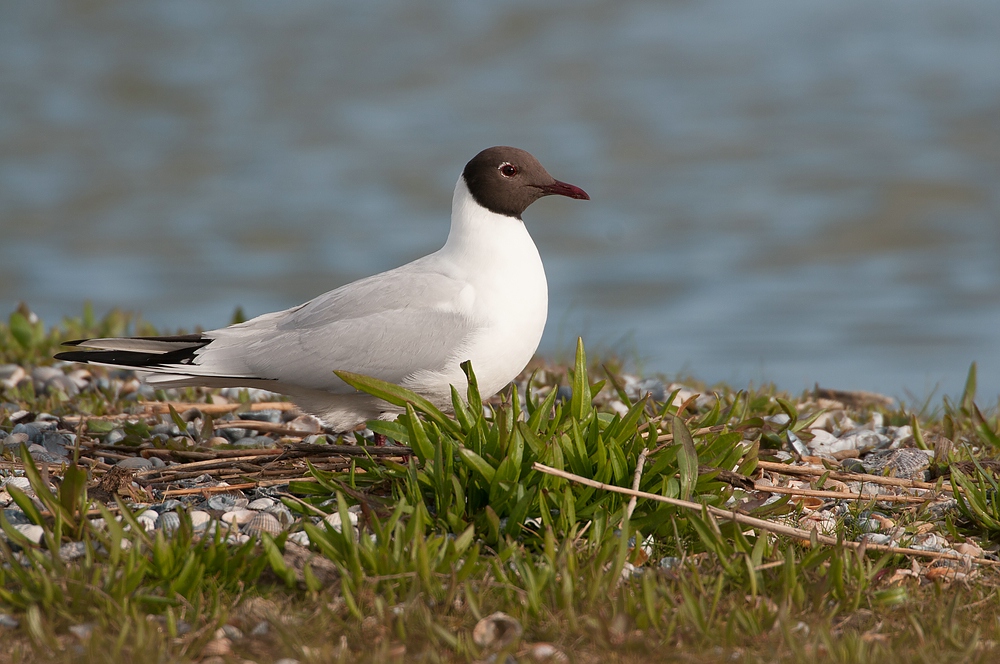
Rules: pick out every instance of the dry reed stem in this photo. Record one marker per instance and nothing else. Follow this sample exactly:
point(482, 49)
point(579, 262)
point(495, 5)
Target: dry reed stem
point(780, 529)
point(639, 465)
point(786, 469)
point(845, 495)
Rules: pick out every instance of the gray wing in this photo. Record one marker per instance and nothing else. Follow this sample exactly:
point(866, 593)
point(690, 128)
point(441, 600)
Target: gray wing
point(388, 326)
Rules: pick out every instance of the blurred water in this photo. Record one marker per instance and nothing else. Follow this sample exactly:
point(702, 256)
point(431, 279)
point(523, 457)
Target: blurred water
point(782, 191)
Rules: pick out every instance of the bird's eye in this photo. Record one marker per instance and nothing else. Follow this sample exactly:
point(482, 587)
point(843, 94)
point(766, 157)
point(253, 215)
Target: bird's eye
point(508, 170)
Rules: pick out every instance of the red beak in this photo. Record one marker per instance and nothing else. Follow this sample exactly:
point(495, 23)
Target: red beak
point(564, 189)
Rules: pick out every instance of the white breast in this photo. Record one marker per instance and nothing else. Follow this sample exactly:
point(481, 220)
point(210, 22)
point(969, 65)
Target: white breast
point(506, 298)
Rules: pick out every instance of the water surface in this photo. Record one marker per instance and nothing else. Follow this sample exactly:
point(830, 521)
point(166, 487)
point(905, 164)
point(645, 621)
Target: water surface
point(782, 191)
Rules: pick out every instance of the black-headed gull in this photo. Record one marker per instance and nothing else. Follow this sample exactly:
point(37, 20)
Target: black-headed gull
point(481, 297)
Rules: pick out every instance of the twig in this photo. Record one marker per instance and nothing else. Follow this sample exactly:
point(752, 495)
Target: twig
point(845, 495)
point(303, 503)
point(224, 489)
point(786, 469)
point(669, 437)
point(639, 465)
point(216, 408)
point(185, 467)
point(754, 522)
point(773, 563)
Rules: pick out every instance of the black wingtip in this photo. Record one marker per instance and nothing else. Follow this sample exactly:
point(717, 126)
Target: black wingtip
point(132, 358)
point(72, 356)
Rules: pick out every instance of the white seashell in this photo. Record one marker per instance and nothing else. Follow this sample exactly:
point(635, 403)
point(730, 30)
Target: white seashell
point(334, 520)
point(148, 520)
point(239, 517)
point(262, 522)
point(260, 504)
point(281, 513)
point(217, 648)
point(301, 538)
point(496, 631)
point(200, 519)
point(169, 521)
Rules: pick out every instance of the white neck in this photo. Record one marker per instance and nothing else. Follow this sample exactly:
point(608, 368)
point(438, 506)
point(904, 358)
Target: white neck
point(472, 225)
point(491, 247)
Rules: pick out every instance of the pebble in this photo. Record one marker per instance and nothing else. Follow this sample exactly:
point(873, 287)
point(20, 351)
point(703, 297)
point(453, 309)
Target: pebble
point(56, 443)
point(31, 531)
point(618, 407)
point(40, 376)
point(167, 505)
point(229, 632)
point(271, 415)
point(257, 442)
point(225, 502)
point(114, 437)
point(655, 388)
point(83, 631)
point(10, 374)
point(16, 517)
point(33, 432)
point(233, 434)
point(72, 551)
point(21, 483)
point(62, 383)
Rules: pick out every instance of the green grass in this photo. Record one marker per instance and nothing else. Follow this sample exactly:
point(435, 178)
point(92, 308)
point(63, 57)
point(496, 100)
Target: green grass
point(467, 526)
